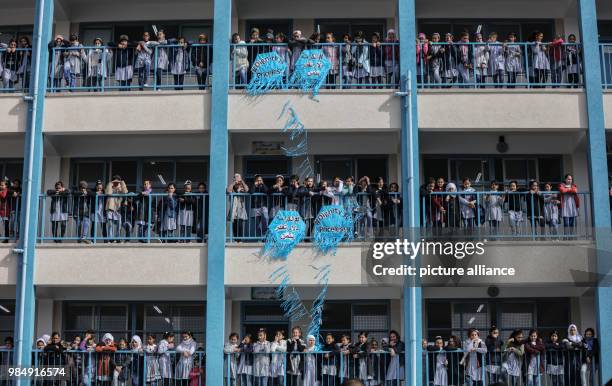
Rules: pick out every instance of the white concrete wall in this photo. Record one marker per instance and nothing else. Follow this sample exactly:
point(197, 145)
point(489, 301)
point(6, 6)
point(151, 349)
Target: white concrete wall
point(121, 265)
point(8, 266)
point(14, 114)
point(373, 111)
point(133, 265)
point(491, 110)
point(608, 109)
point(116, 11)
point(113, 113)
point(357, 110)
point(313, 9)
point(477, 9)
point(44, 316)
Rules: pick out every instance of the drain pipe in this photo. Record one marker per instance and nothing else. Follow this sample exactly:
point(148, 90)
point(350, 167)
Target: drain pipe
point(33, 149)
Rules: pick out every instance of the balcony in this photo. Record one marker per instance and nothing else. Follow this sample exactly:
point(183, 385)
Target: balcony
point(155, 218)
point(468, 65)
point(380, 360)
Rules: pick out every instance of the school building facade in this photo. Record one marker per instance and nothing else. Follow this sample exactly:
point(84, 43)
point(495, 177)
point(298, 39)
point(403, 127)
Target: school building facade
point(405, 133)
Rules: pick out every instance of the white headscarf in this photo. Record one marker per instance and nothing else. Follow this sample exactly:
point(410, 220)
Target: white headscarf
point(138, 341)
point(574, 338)
point(451, 185)
point(108, 336)
point(308, 348)
point(44, 338)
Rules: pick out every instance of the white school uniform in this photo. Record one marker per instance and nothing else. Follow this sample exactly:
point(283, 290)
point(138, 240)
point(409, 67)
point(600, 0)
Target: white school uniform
point(514, 61)
point(261, 359)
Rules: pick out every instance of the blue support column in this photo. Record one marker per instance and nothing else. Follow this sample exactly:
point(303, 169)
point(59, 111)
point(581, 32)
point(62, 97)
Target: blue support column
point(410, 186)
point(215, 285)
point(32, 175)
point(598, 174)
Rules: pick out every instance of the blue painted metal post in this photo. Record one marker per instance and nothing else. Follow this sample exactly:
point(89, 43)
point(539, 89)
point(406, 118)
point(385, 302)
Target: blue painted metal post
point(32, 174)
point(598, 178)
point(215, 287)
point(410, 186)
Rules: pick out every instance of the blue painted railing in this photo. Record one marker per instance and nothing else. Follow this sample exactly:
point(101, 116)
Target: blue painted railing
point(148, 218)
point(10, 216)
point(440, 65)
point(506, 215)
point(605, 50)
point(15, 69)
point(375, 216)
point(273, 365)
point(100, 218)
point(352, 65)
point(511, 366)
point(544, 367)
point(109, 68)
point(497, 65)
point(101, 365)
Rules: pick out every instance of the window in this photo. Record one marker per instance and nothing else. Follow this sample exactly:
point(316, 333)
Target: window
point(470, 168)
point(134, 171)
point(522, 169)
point(101, 318)
point(161, 318)
point(125, 320)
point(134, 30)
point(90, 172)
point(330, 168)
point(128, 170)
point(267, 311)
point(470, 315)
point(550, 170)
point(153, 170)
point(196, 171)
point(439, 319)
point(88, 35)
point(604, 27)
point(372, 167)
point(341, 26)
point(456, 317)
point(7, 318)
point(523, 29)
point(268, 167)
point(434, 168)
point(512, 316)
point(357, 166)
point(15, 32)
point(552, 315)
point(11, 169)
point(268, 315)
point(372, 318)
point(351, 318)
point(284, 26)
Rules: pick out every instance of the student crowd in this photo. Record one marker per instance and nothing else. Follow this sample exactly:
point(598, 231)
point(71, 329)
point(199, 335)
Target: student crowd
point(377, 207)
point(520, 359)
point(447, 207)
point(356, 60)
point(112, 208)
point(266, 360)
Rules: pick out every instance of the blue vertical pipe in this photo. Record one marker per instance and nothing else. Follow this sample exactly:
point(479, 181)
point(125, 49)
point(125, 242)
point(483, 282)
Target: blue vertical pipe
point(598, 174)
point(32, 175)
point(410, 185)
point(215, 285)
